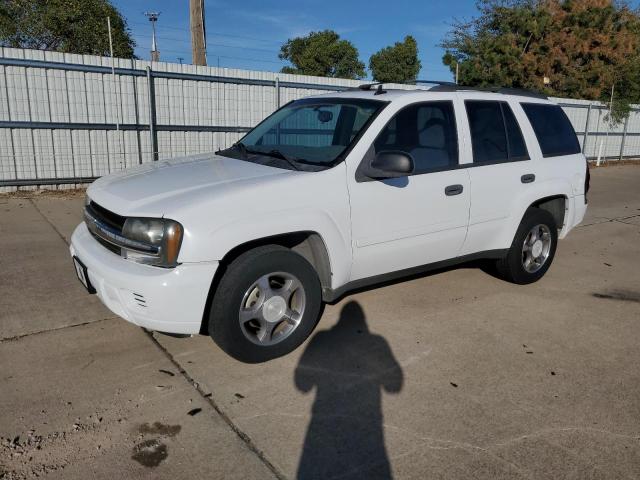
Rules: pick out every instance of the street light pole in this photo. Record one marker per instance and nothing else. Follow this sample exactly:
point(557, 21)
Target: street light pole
point(153, 18)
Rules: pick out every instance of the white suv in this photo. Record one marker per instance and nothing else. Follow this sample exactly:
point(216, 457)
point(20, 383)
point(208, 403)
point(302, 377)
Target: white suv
point(331, 193)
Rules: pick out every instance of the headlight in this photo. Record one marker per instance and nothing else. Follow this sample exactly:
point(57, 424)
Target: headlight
point(152, 241)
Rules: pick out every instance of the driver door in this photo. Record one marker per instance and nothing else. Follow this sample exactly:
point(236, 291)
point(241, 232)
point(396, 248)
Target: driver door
point(420, 219)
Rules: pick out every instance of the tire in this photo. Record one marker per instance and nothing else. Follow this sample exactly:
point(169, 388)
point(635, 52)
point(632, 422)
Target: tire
point(269, 287)
point(518, 265)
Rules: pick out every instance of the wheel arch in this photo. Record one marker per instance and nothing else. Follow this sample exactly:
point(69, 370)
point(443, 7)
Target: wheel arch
point(308, 244)
point(556, 205)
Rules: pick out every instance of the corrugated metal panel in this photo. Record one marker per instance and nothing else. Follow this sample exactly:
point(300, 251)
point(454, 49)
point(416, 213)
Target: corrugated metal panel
point(32, 93)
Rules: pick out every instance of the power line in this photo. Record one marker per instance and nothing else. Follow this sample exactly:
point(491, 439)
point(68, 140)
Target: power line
point(213, 55)
point(185, 30)
point(224, 45)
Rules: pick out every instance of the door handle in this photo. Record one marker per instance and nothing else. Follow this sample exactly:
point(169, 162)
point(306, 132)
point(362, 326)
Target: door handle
point(453, 190)
point(528, 178)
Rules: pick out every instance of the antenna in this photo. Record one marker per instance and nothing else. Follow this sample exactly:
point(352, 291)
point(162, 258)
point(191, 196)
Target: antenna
point(153, 18)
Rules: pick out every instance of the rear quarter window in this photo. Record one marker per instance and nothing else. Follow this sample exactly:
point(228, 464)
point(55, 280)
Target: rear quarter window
point(553, 129)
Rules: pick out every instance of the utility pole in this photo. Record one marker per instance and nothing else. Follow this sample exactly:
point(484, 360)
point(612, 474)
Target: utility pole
point(198, 34)
point(153, 18)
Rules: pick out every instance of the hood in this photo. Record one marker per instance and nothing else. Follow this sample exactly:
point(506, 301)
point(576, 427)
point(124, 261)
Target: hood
point(142, 190)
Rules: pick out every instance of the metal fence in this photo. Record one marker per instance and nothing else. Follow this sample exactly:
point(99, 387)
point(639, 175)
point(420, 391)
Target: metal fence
point(67, 119)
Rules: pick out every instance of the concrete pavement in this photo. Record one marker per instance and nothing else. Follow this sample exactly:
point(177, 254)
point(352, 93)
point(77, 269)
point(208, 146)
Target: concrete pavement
point(452, 375)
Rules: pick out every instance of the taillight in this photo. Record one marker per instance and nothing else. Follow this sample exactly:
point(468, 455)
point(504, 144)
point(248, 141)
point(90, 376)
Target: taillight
point(587, 181)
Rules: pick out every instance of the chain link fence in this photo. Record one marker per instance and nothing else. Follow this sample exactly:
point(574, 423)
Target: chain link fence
point(67, 119)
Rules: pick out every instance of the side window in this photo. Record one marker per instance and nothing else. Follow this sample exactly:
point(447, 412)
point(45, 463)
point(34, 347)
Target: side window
point(427, 131)
point(495, 134)
point(517, 147)
point(553, 129)
point(488, 136)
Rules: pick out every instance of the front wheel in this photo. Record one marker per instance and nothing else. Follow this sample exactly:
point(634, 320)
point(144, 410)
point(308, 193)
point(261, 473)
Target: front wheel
point(532, 250)
point(267, 303)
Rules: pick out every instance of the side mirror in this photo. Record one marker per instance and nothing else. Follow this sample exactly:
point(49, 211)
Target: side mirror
point(389, 164)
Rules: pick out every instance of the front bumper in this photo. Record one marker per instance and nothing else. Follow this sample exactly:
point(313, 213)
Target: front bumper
point(167, 300)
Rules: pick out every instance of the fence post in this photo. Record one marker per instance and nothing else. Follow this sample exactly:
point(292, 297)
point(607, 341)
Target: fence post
point(624, 136)
point(586, 131)
point(277, 93)
point(136, 110)
point(13, 147)
point(152, 115)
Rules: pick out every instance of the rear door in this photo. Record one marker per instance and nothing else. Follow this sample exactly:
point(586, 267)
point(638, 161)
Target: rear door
point(500, 168)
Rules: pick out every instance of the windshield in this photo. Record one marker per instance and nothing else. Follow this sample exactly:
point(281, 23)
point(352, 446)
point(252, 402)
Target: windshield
point(308, 132)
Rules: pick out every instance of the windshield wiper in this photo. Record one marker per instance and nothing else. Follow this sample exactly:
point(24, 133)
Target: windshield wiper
point(244, 151)
point(278, 154)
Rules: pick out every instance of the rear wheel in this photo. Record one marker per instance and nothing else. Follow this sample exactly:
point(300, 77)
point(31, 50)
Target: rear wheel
point(532, 250)
point(266, 304)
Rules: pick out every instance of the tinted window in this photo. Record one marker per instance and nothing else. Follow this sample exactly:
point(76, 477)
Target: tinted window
point(488, 135)
point(427, 131)
point(495, 133)
point(553, 129)
point(517, 147)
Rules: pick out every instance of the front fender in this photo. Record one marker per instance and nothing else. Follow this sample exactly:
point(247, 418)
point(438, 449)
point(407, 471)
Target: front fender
point(215, 245)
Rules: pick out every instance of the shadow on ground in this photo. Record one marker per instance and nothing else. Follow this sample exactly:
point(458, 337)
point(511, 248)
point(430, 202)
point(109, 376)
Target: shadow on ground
point(349, 367)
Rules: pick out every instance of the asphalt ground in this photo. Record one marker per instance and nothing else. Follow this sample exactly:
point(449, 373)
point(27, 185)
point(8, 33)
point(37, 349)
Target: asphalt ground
point(451, 375)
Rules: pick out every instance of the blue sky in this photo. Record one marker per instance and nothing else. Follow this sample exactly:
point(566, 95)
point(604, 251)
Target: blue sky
point(248, 33)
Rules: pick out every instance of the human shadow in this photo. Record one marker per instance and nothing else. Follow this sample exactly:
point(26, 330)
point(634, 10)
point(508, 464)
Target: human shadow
point(349, 366)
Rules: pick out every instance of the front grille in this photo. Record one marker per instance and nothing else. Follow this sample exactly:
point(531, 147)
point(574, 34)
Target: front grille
point(106, 227)
point(105, 216)
point(109, 246)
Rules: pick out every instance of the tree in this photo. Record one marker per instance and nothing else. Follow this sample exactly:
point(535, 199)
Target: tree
point(565, 48)
point(70, 26)
point(322, 54)
point(398, 63)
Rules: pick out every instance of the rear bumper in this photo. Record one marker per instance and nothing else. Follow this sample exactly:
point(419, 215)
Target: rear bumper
point(167, 300)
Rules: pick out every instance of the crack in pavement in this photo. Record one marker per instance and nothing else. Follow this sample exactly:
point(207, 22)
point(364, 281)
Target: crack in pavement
point(46, 219)
point(24, 335)
point(609, 220)
point(209, 399)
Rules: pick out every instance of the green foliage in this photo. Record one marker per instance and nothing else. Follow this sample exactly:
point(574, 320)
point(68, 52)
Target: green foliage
point(70, 26)
point(398, 63)
point(322, 54)
point(581, 48)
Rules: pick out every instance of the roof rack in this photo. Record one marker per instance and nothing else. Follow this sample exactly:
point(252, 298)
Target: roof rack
point(445, 86)
point(452, 87)
point(431, 82)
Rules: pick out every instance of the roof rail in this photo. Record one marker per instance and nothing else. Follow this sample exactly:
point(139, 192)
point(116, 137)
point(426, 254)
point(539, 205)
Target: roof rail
point(445, 86)
point(504, 90)
point(431, 82)
point(369, 86)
